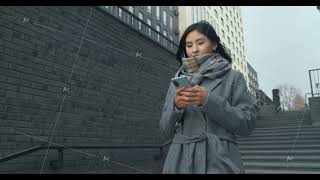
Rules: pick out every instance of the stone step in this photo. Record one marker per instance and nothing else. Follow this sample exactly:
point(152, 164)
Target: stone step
point(294, 129)
point(279, 165)
point(280, 124)
point(293, 133)
point(286, 127)
point(297, 152)
point(271, 138)
point(284, 142)
point(274, 158)
point(259, 170)
point(280, 147)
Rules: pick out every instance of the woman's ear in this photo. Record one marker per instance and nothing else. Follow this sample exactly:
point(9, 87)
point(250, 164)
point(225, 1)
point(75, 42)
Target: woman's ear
point(214, 47)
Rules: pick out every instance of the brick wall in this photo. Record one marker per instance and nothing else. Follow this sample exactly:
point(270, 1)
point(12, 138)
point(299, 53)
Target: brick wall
point(113, 98)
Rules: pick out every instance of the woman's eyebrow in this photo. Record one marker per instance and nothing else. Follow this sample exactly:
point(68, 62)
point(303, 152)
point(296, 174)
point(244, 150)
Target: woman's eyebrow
point(199, 39)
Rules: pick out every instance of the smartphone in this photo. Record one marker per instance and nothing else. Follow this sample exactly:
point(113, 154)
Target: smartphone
point(181, 81)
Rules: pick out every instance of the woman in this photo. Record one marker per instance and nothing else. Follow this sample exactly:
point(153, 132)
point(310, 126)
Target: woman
point(204, 120)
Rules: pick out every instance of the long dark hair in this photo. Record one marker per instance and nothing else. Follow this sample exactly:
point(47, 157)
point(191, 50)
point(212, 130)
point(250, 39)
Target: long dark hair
point(206, 29)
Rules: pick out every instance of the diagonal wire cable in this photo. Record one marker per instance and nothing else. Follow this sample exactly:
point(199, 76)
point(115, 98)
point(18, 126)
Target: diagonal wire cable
point(289, 158)
point(82, 152)
point(64, 96)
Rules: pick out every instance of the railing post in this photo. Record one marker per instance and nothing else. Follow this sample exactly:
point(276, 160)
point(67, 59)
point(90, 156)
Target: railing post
point(58, 164)
point(310, 82)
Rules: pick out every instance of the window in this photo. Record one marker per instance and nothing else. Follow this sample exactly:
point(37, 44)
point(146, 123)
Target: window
point(149, 23)
point(120, 12)
point(227, 18)
point(158, 12)
point(228, 28)
point(170, 8)
point(141, 18)
point(158, 31)
point(165, 34)
point(149, 9)
point(216, 13)
point(222, 22)
point(228, 40)
point(130, 10)
point(223, 34)
point(171, 23)
point(164, 17)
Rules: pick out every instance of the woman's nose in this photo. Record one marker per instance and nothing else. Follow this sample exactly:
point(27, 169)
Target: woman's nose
point(195, 49)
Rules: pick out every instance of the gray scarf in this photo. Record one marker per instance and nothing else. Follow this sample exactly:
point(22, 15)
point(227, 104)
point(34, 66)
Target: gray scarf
point(210, 66)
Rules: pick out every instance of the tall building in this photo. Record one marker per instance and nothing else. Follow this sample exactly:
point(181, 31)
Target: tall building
point(159, 23)
point(227, 22)
point(253, 79)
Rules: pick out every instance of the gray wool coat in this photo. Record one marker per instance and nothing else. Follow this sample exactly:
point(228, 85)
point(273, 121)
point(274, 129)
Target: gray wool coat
point(204, 138)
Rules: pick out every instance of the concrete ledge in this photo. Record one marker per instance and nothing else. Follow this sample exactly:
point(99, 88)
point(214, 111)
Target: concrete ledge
point(314, 103)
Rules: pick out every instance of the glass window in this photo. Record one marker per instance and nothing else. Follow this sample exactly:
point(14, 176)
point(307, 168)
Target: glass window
point(149, 9)
point(149, 23)
point(165, 34)
point(216, 13)
point(158, 31)
point(120, 12)
point(141, 18)
point(164, 17)
point(171, 23)
point(222, 22)
point(158, 12)
point(131, 9)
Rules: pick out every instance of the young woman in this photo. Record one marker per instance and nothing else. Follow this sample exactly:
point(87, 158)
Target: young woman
point(204, 119)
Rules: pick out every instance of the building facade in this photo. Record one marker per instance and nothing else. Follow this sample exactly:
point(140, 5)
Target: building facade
point(227, 22)
point(253, 79)
point(159, 23)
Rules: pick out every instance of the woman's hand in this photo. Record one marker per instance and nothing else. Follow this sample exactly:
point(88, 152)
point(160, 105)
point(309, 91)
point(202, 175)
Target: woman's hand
point(179, 101)
point(196, 95)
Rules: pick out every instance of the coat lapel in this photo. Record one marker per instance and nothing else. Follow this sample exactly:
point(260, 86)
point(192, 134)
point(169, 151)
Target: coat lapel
point(211, 84)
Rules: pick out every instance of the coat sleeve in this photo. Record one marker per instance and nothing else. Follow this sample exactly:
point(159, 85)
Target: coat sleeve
point(238, 117)
point(170, 114)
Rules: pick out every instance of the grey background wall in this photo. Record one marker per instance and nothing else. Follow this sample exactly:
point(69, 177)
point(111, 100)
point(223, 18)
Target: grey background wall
point(114, 97)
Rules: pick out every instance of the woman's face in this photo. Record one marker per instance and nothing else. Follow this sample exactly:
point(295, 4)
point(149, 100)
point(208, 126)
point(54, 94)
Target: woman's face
point(198, 44)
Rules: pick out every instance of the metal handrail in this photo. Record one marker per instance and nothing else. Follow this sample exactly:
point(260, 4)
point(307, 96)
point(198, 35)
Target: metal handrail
point(41, 147)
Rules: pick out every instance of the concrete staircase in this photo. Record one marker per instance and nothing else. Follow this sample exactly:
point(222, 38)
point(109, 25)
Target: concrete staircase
point(274, 146)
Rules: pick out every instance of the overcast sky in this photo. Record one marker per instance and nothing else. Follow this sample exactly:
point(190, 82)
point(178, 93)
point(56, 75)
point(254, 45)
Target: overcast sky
point(282, 44)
